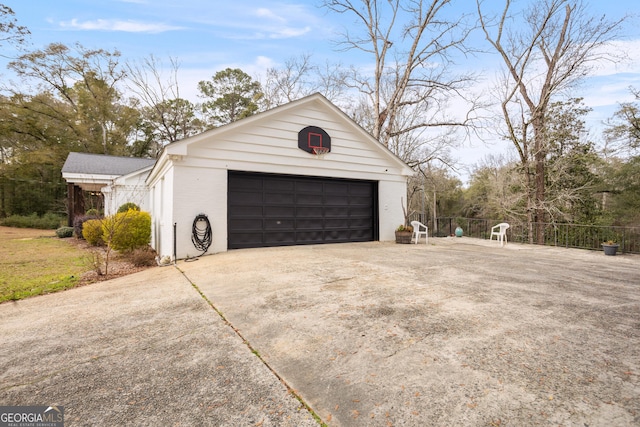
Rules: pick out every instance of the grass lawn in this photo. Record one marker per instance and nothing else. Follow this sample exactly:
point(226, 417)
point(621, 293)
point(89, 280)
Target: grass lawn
point(34, 262)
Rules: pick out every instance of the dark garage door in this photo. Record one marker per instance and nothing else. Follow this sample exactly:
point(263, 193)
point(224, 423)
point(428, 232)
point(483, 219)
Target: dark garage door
point(279, 210)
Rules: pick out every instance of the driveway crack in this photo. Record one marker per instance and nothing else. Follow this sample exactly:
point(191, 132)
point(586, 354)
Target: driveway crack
point(246, 342)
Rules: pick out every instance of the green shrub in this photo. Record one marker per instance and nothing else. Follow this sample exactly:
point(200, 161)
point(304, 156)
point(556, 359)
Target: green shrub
point(93, 212)
point(92, 232)
point(48, 221)
point(126, 231)
point(127, 206)
point(64, 232)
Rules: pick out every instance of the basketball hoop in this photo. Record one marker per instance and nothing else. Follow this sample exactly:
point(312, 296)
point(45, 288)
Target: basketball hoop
point(320, 152)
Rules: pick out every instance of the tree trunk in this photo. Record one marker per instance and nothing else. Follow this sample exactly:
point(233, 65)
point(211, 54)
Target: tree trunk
point(434, 226)
point(540, 197)
point(539, 158)
point(530, 205)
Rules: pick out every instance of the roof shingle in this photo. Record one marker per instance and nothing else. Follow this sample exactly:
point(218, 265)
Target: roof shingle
point(100, 164)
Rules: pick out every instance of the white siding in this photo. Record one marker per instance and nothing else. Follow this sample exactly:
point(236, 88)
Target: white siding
point(195, 170)
point(202, 191)
point(271, 146)
point(391, 195)
point(162, 214)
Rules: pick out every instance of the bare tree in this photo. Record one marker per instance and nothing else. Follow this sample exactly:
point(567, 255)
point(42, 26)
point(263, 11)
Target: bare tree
point(150, 84)
point(413, 44)
point(288, 83)
point(548, 50)
point(167, 117)
point(299, 77)
point(331, 82)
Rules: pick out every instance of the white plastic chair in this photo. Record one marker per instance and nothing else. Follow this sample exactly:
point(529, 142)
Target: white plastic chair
point(500, 231)
point(420, 229)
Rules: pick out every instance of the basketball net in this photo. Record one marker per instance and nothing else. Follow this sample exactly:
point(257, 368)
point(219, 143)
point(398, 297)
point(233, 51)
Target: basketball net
point(320, 152)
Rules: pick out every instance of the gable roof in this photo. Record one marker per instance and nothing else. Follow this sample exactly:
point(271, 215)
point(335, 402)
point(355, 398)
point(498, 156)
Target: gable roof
point(100, 164)
point(179, 148)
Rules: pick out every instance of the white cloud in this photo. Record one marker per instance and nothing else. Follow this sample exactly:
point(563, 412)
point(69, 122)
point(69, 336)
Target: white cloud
point(286, 33)
point(279, 22)
point(268, 14)
point(129, 26)
point(629, 49)
point(264, 62)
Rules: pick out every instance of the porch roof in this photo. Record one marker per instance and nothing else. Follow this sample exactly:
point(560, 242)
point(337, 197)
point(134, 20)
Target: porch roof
point(91, 172)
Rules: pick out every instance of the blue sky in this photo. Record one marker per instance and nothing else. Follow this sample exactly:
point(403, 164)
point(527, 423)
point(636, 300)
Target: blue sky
point(207, 36)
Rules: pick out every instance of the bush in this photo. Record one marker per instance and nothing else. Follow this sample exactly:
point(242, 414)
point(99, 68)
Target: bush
point(78, 223)
point(48, 221)
point(64, 232)
point(143, 257)
point(92, 232)
point(93, 212)
point(127, 206)
point(126, 231)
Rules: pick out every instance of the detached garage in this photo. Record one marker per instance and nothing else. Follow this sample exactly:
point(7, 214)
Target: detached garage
point(302, 173)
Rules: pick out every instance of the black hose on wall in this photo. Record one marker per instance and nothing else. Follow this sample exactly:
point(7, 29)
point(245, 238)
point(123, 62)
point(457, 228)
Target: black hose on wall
point(201, 234)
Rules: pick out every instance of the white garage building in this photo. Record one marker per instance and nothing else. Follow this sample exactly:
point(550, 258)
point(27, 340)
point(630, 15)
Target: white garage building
point(301, 173)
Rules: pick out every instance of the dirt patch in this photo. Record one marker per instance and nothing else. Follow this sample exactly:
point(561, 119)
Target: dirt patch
point(119, 264)
point(8, 233)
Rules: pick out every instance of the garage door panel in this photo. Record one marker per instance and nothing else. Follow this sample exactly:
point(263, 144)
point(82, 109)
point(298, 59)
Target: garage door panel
point(336, 200)
point(337, 187)
point(279, 198)
point(339, 223)
point(247, 211)
point(359, 212)
point(358, 223)
point(279, 185)
point(282, 238)
point(282, 212)
point(309, 224)
point(247, 182)
point(309, 212)
point(362, 189)
point(359, 201)
point(309, 199)
point(360, 235)
point(277, 210)
point(335, 236)
point(247, 198)
point(246, 240)
point(243, 225)
point(309, 187)
point(279, 225)
point(335, 211)
point(310, 237)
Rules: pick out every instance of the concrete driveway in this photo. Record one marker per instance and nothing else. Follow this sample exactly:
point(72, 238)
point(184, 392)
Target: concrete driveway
point(142, 350)
point(457, 332)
